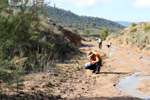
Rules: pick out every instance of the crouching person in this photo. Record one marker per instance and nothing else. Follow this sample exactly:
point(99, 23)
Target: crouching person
point(95, 62)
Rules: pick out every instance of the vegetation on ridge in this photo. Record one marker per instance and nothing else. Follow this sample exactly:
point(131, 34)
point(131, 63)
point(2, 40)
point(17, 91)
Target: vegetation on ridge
point(71, 20)
point(137, 34)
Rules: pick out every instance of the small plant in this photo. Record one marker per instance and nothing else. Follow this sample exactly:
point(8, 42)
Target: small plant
point(127, 40)
point(148, 48)
point(142, 46)
point(146, 27)
point(133, 30)
point(133, 24)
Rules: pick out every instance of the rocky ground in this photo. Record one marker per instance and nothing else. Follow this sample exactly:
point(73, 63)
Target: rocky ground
point(76, 83)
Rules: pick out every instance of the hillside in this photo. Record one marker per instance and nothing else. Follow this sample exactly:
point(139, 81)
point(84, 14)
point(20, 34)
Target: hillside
point(136, 36)
point(69, 19)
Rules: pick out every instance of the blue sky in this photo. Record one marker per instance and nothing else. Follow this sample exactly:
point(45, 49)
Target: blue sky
point(115, 10)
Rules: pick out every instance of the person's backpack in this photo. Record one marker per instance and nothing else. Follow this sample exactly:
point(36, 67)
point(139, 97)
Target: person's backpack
point(100, 57)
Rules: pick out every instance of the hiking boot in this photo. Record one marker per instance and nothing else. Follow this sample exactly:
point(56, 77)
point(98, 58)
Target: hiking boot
point(97, 72)
point(93, 71)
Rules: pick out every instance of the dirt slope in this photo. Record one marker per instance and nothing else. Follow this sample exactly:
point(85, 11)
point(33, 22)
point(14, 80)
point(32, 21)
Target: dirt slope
point(118, 63)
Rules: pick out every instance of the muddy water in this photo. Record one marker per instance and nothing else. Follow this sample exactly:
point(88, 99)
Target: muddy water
point(130, 83)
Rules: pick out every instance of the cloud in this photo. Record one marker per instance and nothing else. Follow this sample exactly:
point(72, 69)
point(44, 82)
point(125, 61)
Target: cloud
point(142, 4)
point(89, 3)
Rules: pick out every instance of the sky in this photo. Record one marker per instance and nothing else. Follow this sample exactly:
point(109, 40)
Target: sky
point(115, 10)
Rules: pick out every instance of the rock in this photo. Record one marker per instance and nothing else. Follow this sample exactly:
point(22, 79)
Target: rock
point(32, 88)
point(21, 92)
point(43, 77)
point(114, 85)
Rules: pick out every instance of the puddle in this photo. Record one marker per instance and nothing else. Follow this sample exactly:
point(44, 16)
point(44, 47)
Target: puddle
point(132, 54)
point(110, 54)
point(121, 62)
point(137, 67)
point(113, 47)
point(129, 84)
point(141, 58)
point(145, 58)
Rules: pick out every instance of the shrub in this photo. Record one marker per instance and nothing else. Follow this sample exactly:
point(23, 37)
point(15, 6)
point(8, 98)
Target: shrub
point(127, 40)
point(133, 30)
point(146, 27)
point(133, 24)
point(142, 46)
point(86, 31)
point(104, 33)
point(147, 48)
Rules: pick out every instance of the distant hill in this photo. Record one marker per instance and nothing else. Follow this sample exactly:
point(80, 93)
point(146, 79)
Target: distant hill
point(124, 23)
point(67, 18)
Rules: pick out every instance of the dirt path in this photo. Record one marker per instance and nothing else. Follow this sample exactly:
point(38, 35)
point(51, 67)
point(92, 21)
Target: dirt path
point(118, 63)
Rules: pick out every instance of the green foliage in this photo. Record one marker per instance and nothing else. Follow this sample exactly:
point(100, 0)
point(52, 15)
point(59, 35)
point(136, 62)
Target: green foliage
point(104, 33)
point(11, 72)
point(93, 25)
point(66, 18)
point(27, 43)
point(86, 31)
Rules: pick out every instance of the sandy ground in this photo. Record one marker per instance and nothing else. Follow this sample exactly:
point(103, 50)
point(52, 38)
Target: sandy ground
point(118, 63)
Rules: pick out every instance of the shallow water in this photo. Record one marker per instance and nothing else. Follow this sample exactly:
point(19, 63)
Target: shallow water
point(129, 84)
point(110, 54)
point(132, 54)
point(145, 58)
point(113, 47)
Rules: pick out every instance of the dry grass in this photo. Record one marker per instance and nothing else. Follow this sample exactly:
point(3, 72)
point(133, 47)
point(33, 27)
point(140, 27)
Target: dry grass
point(133, 30)
point(146, 27)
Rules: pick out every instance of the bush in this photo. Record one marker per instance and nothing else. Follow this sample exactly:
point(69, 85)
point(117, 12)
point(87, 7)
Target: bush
point(86, 32)
point(133, 24)
point(127, 40)
point(146, 27)
point(133, 30)
point(104, 33)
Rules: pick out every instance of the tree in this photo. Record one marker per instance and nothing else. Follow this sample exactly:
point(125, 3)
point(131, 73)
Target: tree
point(85, 26)
point(86, 31)
point(93, 25)
point(104, 33)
